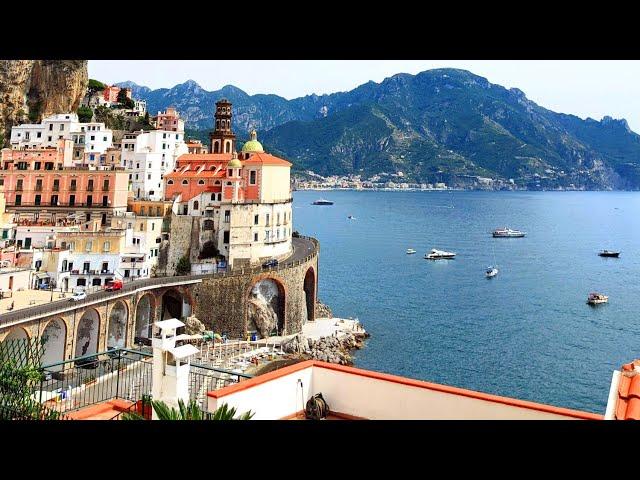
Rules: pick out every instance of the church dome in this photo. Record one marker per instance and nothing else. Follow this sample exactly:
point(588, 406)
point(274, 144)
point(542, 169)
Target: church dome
point(253, 145)
point(234, 163)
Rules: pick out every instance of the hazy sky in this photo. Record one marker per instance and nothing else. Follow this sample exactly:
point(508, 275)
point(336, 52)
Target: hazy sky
point(583, 88)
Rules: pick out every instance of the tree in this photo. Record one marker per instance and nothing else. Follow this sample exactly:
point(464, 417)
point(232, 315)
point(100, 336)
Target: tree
point(85, 114)
point(191, 411)
point(184, 266)
point(95, 85)
point(19, 375)
point(124, 100)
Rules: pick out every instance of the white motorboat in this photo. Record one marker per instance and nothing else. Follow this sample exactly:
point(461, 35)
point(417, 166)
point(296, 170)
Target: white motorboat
point(507, 233)
point(435, 254)
point(410, 251)
point(491, 272)
point(597, 298)
point(351, 217)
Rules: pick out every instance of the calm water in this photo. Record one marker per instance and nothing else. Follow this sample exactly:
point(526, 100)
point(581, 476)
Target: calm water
point(526, 333)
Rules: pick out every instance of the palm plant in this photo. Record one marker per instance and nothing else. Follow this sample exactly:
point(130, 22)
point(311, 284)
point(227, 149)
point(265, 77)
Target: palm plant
point(190, 411)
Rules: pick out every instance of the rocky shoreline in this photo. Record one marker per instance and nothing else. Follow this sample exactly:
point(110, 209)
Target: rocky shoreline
point(335, 348)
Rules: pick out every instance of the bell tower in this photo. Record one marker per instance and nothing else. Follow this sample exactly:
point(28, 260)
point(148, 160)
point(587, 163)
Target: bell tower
point(223, 140)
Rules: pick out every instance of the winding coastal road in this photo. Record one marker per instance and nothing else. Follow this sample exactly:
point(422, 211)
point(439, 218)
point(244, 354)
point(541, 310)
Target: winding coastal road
point(303, 247)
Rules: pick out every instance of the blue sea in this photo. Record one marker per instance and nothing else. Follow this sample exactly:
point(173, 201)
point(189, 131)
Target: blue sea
point(527, 333)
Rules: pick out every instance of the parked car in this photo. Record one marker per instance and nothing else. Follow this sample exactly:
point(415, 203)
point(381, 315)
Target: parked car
point(113, 285)
point(270, 263)
point(78, 295)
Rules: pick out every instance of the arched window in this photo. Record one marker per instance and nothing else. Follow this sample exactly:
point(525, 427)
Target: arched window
point(200, 182)
point(213, 196)
point(169, 182)
point(208, 225)
point(227, 147)
point(228, 184)
point(216, 146)
point(219, 196)
point(185, 182)
point(196, 205)
point(217, 124)
point(217, 182)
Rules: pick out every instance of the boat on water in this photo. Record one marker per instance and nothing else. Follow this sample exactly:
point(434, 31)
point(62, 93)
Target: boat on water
point(596, 298)
point(507, 233)
point(491, 272)
point(410, 251)
point(351, 217)
point(609, 253)
point(322, 201)
point(435, 254)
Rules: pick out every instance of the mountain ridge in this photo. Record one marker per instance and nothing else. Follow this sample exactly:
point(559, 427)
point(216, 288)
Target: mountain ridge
point(440, 124)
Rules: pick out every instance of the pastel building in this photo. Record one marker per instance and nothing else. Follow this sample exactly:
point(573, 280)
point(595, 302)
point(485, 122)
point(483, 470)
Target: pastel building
point(169, 120)
point(110, 93)
point(39, 185)
point(242, 202)
point(149, 156)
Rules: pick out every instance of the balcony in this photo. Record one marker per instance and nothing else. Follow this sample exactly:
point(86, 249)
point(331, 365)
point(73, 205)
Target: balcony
point(92, 272)
point(89, 188)
point(73, 188)
point(58, 205)
point(38, 188)
point(56, 188)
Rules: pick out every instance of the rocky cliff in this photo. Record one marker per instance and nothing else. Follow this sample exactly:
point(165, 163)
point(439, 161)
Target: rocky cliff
point(32, 89)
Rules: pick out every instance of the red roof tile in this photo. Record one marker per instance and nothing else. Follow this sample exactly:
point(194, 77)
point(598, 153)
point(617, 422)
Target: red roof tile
point(628, 402)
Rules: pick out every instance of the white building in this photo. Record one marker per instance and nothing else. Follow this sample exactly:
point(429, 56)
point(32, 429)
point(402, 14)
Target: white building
point(92, 136)
point(151, 155)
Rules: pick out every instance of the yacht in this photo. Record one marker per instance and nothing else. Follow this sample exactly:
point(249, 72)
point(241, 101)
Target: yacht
point(410, 251)
point(597, 298)
point(491, 272)
point(438, 255)
point(507, 233)
point(609, 253)
point(322, 201)
point(351, 217)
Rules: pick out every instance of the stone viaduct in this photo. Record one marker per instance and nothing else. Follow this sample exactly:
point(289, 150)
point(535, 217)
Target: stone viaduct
point(125, 317)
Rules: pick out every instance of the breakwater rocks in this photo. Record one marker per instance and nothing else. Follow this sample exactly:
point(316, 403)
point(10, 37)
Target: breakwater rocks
point(332, 349)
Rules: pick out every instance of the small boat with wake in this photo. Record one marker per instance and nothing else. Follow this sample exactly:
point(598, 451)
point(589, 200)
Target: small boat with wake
point(351, 217)
point(435, 254)
point(609, 253)
point(491, 272)
point(322, 201)
point(410, 251)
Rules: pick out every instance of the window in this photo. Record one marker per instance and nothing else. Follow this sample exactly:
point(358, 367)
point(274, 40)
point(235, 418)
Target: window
point(255, 237)
point(105, 265)
point(185, 182)
point(18, 199)
point(105, 185)
point(105, 201)
point(106, 246)
point(36, 166)
point(56, 185)
point(196, 205)
point(104, 139)
point(49, 138)
point(85, 267)
point(227, 216)
point(50, 127)
point(39, 135)
point(90, 185)
point(89, 246)
point(200, 182)
point(93, 137)
point(72, 200)
point(61, 127)
point(169, 182)
point(230, 172)
point(226, 236)
point(88, 217)
point(37, 200)
point(213, 196)
point(208, 225)
point(153, 226)
point(54, 200)
point(149, 176)
point(256, 218)
point(142, 227)
point(252, 177)
point(267, 220)
point(89, 200)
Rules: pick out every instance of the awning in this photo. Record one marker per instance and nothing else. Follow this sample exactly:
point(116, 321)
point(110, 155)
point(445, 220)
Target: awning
point(41, 275)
